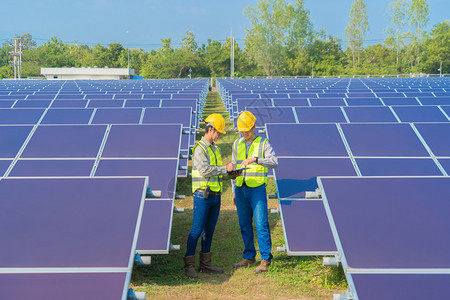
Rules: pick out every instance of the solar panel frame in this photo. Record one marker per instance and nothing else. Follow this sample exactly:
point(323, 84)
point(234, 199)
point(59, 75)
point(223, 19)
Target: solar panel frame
point(22, 116)
point(67, 116)
point(420, 114)
point(65, 141)
point(57, 264)
point(372, 265)
point(117, 116)
point(301, 241)
point(13, 138)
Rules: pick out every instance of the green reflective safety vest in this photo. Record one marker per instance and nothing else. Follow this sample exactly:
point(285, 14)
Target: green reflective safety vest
point(255, 175)
point(214, 159)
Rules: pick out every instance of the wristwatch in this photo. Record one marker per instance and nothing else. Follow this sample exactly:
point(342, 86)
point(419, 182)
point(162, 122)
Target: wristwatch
point(256, 160)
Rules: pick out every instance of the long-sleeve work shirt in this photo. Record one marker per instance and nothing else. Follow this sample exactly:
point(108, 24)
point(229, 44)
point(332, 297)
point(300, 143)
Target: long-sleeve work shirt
point(200, 161)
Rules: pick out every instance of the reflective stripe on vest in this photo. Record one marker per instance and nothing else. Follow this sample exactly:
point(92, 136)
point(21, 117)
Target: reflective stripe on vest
point(214, 159)
point(256, 174)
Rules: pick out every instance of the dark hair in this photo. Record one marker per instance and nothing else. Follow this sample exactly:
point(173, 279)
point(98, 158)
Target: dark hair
point(208, 126)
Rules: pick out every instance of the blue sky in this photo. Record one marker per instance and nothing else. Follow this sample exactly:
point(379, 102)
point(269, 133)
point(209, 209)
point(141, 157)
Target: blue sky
point(148, 21)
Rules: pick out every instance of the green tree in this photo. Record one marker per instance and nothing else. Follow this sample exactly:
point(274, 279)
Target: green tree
point(419, 12)
point(357, 28)
point(189, 43)
point(266, 40)
point(437, 48)
point(217, 58)
point(301, 30)
point(398, 11)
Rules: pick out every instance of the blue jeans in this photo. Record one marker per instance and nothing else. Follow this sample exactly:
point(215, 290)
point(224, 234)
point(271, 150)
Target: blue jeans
point(206, 213)
point(252, 202)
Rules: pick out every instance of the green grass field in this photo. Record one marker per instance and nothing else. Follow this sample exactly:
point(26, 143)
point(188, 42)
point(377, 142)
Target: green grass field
point(288, 277)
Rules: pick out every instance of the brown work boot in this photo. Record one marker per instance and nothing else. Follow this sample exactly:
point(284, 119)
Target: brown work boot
point(244, 263)
point(263, 266)
point(189, 266)
point(206, 266)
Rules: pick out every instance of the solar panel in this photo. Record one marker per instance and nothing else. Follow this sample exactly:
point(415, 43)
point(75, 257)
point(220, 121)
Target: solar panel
point(383, 140)
point(95, 223)
point(65, 141)
point(397, 167)
point(106, 103)
point(168, 115)
point(20, 116)
point(142, 103)
point(32, 104)
point(396, 228)
point(154, 235)
point(328, 102)
point(420, 114)
point(402, 286)
point(306, 140)
point(51, 168)
point(400, 101)
point(369, 114)
point(143, 141)
point(298, 219)
point(69, 103)
point(12, 139)
point(320, 115)
point(445, 100)
point(436, 136)
point(117, 116)
point(363, 101)
point(294, 176)
point(72, 285)
point(67, 116)
point(162, 173)
point(290, 102)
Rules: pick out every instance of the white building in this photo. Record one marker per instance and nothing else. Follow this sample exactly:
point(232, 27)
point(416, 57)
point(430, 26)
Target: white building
point(86, 73)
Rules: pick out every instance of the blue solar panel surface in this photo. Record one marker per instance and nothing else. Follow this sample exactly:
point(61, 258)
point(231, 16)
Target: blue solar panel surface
point(399, 227)
point(40, 232)
point(65, 141)
point(12, 139)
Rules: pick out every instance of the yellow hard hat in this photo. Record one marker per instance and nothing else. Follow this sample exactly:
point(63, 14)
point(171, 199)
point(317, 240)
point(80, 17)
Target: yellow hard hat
point(217, 121)
point(246, 121)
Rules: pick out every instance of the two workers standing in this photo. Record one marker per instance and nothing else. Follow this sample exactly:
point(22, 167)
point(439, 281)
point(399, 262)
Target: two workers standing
point(256, 156)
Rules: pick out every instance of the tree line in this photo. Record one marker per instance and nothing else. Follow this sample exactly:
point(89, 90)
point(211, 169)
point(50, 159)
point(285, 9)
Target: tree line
point(280, 41)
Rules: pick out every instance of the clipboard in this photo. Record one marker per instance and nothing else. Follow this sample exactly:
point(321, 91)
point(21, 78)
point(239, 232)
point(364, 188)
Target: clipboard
point(237, 170)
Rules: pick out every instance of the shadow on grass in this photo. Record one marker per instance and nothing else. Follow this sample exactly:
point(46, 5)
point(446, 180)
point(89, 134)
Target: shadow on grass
point(227, 249)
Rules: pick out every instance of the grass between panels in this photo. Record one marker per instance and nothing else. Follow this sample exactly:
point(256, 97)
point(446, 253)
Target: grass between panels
point(288, 276)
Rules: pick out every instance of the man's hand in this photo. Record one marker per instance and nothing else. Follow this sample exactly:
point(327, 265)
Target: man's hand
point(233, 198)
point(236, 174)
point(248, 161)
point(230, 167)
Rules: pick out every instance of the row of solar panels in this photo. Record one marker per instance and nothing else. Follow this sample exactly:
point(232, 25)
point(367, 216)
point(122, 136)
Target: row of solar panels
point(236, 100)
point(94, 255)
point(309, 151)
point(103, 85)
point(57, 165)
point(336, 83)
point(71, 238)
point(383, 230)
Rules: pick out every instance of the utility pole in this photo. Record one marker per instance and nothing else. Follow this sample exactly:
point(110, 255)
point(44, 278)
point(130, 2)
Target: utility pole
point(128, 52)
point(440, 70)
point(232, 55)
point(17, 57)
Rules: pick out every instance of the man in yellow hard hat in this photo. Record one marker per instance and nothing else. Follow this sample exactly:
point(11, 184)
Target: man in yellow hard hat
point(249, 190)
point(207, 175)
